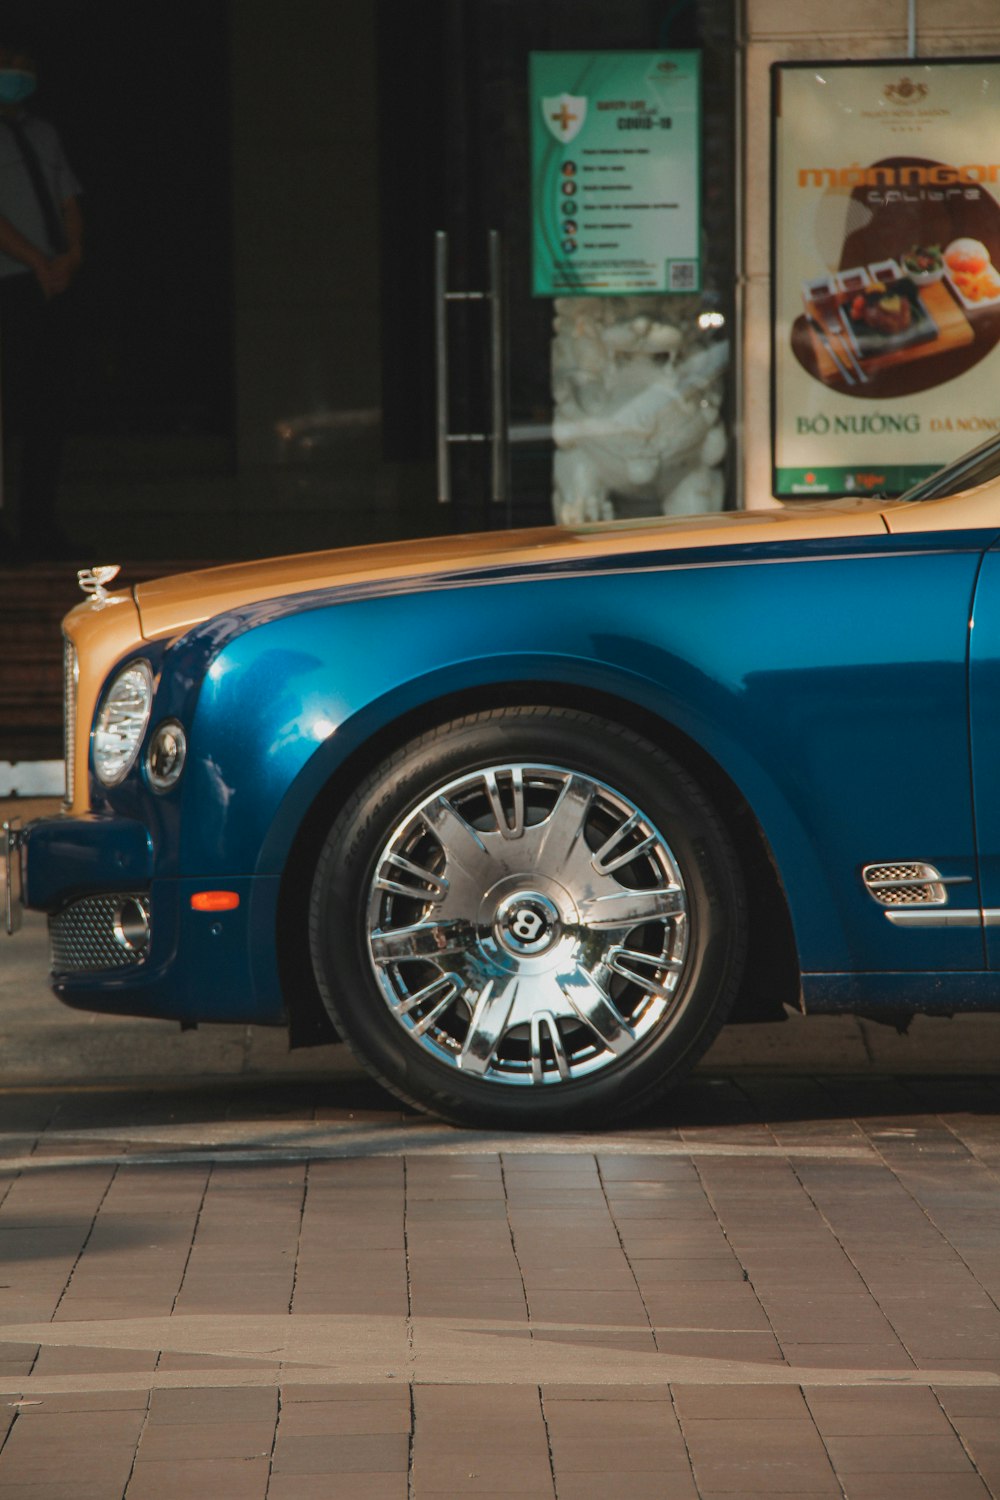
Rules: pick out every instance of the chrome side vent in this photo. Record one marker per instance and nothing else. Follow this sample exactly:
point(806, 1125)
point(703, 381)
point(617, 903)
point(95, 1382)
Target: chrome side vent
point(905, 884)
point(71, 676)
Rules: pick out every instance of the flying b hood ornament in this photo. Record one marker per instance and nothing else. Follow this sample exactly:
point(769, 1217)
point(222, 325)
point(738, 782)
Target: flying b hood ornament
point(93, 580)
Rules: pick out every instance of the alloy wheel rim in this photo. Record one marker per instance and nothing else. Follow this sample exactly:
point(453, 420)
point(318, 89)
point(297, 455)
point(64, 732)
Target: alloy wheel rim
point(528, 925)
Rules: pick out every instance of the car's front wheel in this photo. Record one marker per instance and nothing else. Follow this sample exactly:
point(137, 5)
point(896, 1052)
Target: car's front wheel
point(528, 917)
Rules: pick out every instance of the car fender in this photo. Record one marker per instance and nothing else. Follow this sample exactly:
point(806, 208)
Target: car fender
point(288, 701)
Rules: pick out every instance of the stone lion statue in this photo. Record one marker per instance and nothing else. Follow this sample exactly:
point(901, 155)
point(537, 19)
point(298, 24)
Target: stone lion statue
point(637, 404)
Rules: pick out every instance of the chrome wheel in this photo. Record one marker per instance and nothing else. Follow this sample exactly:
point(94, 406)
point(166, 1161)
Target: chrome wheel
point(528, 916)
point(528, 925)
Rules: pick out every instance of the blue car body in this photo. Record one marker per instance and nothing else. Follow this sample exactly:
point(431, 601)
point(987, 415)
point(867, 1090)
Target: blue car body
point(830, 679)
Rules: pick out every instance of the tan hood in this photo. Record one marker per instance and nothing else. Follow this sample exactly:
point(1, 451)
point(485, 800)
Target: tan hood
point(168, 606)
point(103, 631)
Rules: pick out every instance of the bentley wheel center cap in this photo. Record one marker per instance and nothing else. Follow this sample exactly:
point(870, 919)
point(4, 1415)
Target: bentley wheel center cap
point(527, 924)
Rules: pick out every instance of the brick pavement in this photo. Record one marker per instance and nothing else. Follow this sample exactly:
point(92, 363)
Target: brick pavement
point(254, 1276)
point(785, 1287)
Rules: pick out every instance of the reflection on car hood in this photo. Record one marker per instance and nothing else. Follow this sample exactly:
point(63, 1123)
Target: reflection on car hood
point(170, 605)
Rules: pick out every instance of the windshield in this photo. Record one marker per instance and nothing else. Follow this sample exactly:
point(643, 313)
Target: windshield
point(964, 473)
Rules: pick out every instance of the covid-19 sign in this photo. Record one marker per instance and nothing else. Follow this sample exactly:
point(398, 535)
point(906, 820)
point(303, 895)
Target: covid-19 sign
point(615, 172)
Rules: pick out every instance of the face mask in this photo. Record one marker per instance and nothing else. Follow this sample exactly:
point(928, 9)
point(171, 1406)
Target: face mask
point(16, 85)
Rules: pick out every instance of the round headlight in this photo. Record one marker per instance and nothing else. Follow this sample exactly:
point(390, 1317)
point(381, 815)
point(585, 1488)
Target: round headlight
point(121, 722)
point(166, 754)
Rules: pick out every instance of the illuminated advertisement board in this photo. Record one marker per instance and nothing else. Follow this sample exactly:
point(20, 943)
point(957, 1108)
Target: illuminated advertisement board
point(886, 271)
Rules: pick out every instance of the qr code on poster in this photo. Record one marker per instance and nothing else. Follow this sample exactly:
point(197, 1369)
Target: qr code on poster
point(682, 275)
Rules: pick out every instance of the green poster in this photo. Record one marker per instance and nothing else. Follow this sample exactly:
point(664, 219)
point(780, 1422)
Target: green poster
point(615, 143)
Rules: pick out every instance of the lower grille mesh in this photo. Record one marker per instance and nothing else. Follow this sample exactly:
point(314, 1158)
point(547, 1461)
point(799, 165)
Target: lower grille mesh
point(81, 936)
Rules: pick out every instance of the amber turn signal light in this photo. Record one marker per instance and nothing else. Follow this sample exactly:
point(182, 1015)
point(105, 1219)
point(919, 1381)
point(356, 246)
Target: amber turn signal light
point(215, 901)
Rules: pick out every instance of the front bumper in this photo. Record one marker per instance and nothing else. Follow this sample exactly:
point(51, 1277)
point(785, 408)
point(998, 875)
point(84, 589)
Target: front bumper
point(65, 858)
point(127, 941)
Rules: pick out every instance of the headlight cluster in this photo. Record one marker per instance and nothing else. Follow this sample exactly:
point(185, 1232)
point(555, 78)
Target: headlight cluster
point(121, 722)
point(121, 725)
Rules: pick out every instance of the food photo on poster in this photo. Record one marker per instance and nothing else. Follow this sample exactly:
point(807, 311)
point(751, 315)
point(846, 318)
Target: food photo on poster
point(886, 271)
point(890, 310)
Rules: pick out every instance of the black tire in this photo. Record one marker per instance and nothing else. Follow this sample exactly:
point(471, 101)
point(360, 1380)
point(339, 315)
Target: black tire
point(396, 933)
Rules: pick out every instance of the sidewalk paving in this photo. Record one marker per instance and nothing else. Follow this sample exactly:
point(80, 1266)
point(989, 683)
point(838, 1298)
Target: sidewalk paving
point(233, 1271)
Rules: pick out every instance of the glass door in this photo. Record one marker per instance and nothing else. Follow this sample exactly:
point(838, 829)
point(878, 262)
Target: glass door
point(617, 403)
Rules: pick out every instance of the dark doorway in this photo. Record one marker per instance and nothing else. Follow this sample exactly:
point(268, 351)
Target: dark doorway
point(139, 94)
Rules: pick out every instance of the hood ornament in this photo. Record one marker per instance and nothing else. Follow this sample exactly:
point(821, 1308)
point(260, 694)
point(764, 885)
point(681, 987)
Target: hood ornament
point(93, 580)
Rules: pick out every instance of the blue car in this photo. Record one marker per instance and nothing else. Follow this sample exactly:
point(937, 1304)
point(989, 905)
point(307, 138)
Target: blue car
point(524, 818)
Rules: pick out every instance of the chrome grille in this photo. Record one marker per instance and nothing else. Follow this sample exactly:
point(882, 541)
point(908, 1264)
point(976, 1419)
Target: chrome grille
point(905, 884)
point(905, 895)
point(893, 872)
point(82, 937)
point(70, 678)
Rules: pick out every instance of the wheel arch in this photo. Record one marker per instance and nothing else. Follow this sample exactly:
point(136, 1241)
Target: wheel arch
point(771, 977)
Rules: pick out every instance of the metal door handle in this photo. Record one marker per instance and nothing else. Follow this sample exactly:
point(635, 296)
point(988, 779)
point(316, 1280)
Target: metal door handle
point(498, 374)
point(497, 436)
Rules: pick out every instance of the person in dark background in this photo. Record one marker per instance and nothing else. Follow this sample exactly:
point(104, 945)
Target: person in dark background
point(41, 236)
